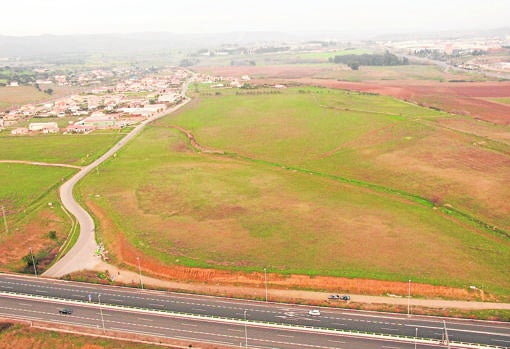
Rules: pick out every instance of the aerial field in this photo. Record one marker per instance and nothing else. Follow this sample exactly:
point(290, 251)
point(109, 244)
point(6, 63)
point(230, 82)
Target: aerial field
point(27, 190)
point(29, 197)
point(308, 181)
point(20, 95)
point(65, 149)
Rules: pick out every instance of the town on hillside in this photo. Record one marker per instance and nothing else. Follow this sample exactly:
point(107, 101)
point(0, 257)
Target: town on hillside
point(121, 103)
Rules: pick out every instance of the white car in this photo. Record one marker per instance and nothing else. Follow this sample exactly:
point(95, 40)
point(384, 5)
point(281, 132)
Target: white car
point(314, 312)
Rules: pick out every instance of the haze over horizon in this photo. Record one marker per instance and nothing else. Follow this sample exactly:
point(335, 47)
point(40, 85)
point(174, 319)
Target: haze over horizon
point(366, 17)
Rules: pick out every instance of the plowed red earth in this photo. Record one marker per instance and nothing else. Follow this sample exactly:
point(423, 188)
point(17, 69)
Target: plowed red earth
point(465, 98)
point(457, 98)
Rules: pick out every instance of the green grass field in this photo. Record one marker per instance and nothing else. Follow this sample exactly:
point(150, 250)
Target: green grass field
point(505, 100)
point(25, 195)
point(313, 181)
point(26, 188)
point(67, 149)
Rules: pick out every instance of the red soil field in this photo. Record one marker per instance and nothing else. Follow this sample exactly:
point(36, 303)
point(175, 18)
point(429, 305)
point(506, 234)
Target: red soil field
point(465, 98)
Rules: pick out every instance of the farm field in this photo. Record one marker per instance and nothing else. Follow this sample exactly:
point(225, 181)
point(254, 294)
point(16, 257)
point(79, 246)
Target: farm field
point(32, 210)
point(67, 149)
point(336, 183)
point(423, 84)
point(28, 94)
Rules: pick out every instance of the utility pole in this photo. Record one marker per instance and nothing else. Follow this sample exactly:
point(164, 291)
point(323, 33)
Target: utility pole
point(409, 299)
point(140, 272)
point(265, 281)
point(33, 261)
point(5, 220)
point(446, 339)
point(245, 330)
point(101, 312)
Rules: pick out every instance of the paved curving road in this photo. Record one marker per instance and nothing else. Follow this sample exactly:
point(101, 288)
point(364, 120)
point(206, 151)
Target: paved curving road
point(431, 328)
point(82, 255)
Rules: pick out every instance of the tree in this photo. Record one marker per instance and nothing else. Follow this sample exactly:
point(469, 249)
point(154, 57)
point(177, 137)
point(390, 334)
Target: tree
point(354, 65)
point(29, 261)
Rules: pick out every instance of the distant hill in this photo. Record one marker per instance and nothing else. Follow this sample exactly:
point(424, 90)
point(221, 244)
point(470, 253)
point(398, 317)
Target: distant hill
point(136, 43)
point(51, 45)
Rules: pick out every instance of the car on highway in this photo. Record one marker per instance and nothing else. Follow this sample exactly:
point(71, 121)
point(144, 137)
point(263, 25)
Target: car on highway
point(338, 297)
point(314, 312)
point(65, 311)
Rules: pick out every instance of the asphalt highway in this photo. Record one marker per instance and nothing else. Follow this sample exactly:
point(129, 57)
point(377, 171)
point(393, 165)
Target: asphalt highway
point(230, 333)
point(478, 332)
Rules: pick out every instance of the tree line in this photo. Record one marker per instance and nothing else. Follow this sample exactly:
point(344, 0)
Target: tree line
point(375, 59)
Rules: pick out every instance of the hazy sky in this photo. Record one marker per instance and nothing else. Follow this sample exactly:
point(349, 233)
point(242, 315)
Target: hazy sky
point(34, 17)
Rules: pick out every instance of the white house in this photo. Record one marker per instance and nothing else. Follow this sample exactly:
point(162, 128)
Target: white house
point(45, 127)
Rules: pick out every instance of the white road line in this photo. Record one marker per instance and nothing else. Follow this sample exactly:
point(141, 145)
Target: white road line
point(285, 335)
point(500, 340)
point(195, 309)
point(25, 304)
point(156, 305)
point(145, 319)
point(333, 341)
point(389, 329)
point(233, 330)
point(390, 347)
point(192, 325)
point(337, 324)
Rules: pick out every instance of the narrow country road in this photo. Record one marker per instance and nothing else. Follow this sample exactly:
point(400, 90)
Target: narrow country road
point(82, 255)
point(37, 163)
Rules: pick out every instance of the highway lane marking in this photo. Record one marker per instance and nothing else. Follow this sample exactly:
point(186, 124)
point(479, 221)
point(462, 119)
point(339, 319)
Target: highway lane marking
point(156, 305)
point(452, 329)
point(500, 340)
point(145, 319)
point(285, 335)
point(390, 347)
point(336, 341)
point(116, 300)
point(318, 320)
point(233, 330)
point(389, 329)
point(26, 304)
point(196, 309)
point(337, 324)
point(192, 325)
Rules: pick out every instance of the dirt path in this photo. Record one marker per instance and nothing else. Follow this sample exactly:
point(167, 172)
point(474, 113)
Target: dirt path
point(133, 278)
point(38, 163)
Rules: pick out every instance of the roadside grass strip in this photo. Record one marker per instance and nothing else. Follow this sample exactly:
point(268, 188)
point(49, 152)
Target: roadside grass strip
point(252, 323)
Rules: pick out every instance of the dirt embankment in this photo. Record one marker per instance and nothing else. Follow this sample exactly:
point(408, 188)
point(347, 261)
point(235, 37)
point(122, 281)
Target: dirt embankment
point(127, 254)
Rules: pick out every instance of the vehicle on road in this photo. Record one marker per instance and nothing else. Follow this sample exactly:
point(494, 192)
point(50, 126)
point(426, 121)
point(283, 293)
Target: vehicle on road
point(314, 312)
point(338, 297)
point(65, 311)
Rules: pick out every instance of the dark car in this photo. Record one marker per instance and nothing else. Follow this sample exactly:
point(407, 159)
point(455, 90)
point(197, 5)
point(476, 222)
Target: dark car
point(345, 298)
point(65, 311)
point(334, 297)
